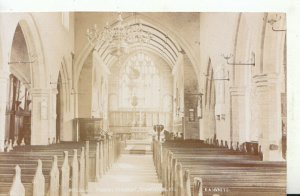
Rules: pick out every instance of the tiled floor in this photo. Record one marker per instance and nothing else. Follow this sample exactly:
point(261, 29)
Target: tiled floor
point(132, 175)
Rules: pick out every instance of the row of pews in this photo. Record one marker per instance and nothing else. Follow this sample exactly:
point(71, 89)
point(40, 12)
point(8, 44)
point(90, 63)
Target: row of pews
point(195, 168)
point(58, 169)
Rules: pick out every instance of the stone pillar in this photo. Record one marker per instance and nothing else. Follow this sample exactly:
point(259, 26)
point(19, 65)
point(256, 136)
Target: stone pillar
point(53, 115)
point(178, 94)
point(40, 116)
point(219, 80)
point(3, 96)
point(238, 123)
point(267, 93)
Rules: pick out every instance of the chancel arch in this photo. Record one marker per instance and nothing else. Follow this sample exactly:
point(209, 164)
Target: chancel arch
point(164, 42)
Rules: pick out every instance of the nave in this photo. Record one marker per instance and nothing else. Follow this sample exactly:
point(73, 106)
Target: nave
point(182, 168)
point(132, 174)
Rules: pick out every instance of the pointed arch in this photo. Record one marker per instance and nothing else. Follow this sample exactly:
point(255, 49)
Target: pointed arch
point(34, 45)
point(169, 50)
point(35, 51)
point(63, 99)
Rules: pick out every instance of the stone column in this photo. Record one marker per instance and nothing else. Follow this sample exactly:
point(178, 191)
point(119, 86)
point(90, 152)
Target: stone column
point(40, 116)
point(267, 93)
point(178, 94)
point(238, 123)
point(53, 115)
point(3, 96)
point(221, 81)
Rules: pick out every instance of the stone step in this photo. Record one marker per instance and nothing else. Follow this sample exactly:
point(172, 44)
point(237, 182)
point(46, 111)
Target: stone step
point(139, 148)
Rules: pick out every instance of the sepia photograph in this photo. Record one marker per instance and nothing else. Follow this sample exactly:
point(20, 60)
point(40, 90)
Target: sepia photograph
point(117, 103)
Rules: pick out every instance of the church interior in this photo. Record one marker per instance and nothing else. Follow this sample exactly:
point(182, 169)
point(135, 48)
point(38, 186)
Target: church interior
point(143, 103)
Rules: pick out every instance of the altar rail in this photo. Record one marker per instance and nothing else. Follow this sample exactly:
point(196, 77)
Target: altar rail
point(139, 118)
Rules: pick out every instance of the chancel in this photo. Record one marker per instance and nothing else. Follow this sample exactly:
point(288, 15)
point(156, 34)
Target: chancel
point(176, 104)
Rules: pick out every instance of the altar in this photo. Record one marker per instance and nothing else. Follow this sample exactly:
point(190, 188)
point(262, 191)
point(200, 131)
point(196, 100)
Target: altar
point(138, 125)
point(141, 132)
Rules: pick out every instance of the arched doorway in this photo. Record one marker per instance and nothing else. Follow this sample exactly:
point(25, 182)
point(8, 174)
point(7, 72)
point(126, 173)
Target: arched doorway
point(18, 107)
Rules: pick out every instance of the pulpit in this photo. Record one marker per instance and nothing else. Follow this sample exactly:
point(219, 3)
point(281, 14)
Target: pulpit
point(88, 129)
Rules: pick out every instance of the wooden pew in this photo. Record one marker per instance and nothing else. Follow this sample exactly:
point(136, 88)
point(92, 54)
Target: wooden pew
point(238, 175)
point(182, 164)
point(27, 161)
point(26, 157)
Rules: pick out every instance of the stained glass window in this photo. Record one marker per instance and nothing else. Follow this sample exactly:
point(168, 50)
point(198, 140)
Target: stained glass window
point(139, 83)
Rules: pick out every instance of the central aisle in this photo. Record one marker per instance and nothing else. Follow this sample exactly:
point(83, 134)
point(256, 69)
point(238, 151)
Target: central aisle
point(132, 174)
